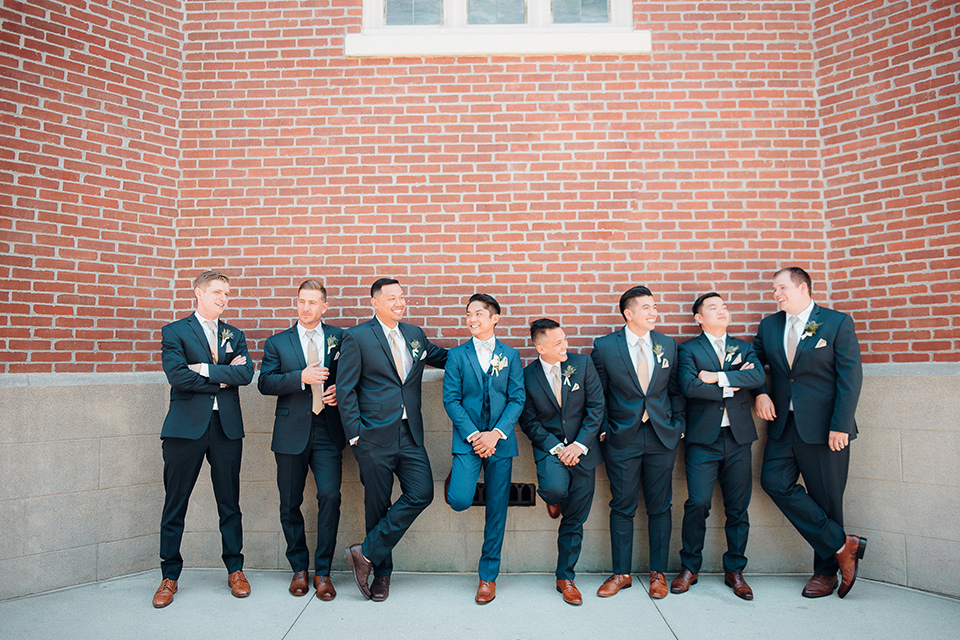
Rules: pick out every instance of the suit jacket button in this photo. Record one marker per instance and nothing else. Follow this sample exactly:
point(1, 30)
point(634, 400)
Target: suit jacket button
point(791, 379)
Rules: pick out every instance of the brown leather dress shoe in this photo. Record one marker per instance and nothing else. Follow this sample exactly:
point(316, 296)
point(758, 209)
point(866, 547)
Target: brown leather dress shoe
point(614, 583)
point(380, 588)
point(324, 587)
point(848, 559)
point(571, 595)
point(486, 592)
point(683, 582)
point(361, 568)
point(239, 586)
point(164, 594)
point(735, 581)
point(553, 510)
point(819, 586)
point(658, 585)
point(299, 585)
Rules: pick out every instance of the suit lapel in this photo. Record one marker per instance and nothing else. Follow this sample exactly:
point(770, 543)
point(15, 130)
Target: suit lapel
point(707, 344)
point(814, 315)
point(472, 357)
point(297, 346)
point(657, 362)
point(628, 362)
point(382, 339)
point(541, 377)
point(779, 327)
point(201, 335)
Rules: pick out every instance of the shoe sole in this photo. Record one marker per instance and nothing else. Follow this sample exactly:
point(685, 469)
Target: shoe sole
point(353, 569)
point(861, 549)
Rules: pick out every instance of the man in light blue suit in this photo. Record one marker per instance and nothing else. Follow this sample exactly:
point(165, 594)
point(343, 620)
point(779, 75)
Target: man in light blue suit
point(483, 395)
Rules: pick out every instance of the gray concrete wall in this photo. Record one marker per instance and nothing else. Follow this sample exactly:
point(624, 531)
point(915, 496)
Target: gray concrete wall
point(80, 490)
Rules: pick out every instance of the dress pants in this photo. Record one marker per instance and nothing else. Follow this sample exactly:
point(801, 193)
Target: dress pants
point(817, 510)
point(463, 484)
point(325, 459)
point(572, 488)
point(182, 459)
point(648, 463)
point(730, 463)
point(386, 523)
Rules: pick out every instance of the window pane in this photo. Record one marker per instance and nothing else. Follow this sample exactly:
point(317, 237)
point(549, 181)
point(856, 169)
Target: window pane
point(497, 12)
point(580, 11)
point(401, 12)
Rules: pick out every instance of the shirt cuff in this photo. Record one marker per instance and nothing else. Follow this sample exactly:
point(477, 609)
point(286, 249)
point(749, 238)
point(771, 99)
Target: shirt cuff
point(585, 450)
point(205, 369)
point(557, 449)
point(503, 436)
point(473, 435)
point(722, 379)
point(728, 392)
point(353, 441)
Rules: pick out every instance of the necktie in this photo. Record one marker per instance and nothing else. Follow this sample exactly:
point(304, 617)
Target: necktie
point(556, 383)
point(643, 374)
point(718, 345)
point(313, 355)
point(485, 354)
point(395, 348)
point(212, 339)
point(792, 340)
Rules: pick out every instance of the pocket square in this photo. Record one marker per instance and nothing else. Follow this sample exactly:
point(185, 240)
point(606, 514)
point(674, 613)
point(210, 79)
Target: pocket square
point(423, 355)
point(229, 349)
point(576, 386)
point(737, 360)
point(336, 356)
point(666, 364)
point(821, 343)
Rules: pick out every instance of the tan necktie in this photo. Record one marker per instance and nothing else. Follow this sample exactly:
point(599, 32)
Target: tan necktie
point(792, 340)
point(314, 356)
point(397, 353)
point(643, 373)
point(718, 346)
point(212, 328)
point(556, 384)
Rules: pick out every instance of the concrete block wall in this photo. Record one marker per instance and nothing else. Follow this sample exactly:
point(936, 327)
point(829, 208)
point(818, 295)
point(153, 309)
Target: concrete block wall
point(81, 495)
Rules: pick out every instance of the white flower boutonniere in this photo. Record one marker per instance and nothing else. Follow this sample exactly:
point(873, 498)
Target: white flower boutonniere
point(332, 343)
point(569, 371)
point(225, 336)
point(497, 364)
point(810, 329)
point(658, 351)
point(415, 348)
point(730, 351)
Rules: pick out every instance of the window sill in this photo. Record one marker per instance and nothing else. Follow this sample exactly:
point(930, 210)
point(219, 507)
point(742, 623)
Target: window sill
point(421, 43)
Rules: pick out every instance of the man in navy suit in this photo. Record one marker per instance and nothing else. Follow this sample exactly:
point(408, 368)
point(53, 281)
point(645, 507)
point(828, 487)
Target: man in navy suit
point(716, 370)
point(378, 391)
point(642, 427)
point(203, 421)
point(483, 395)
point(562, 416)
point(810, 406)
point(300, 368)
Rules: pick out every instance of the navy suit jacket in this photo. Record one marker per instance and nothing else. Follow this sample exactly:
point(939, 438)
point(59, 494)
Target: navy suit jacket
point(463, 383)
point(625, 400)
point(578, 419)
point(283, 363)
point(825, 380)
point(191, 395)
point(370, 393)
point(705, 402)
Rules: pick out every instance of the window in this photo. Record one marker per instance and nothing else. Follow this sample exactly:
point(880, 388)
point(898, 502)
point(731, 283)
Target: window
point(491, 27)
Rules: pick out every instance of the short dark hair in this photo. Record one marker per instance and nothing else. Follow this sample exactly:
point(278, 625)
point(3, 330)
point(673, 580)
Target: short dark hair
point(313, 285)
point(539, 327)
point(639, 291)
point(203, 280)
point(380, 284)
point(487, 301)
point(700, 300)
point(798, 276)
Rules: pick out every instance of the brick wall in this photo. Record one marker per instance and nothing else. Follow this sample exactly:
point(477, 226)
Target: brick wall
point(888, 88)
point(89, 95)
point(552, 182)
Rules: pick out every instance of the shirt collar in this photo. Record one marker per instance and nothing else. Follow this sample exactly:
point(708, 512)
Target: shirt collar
point(302, 330)
point(548, 368)
point(713, 339)
point(633, 339)
point(490, 344)
point(204, 321)
point(803, 315)
point(387, 330)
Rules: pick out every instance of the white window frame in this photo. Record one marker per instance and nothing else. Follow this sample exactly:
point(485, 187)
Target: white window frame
point(456, 37)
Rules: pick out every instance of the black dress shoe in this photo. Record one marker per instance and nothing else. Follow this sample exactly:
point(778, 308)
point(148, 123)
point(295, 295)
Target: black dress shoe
point(380, 588)
point(361, 568)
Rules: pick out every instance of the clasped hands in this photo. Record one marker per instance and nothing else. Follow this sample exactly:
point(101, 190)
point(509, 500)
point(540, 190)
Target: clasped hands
point(485, 443)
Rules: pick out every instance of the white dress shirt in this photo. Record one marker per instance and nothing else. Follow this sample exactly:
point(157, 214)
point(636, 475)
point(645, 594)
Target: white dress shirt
point(318, 341)
point(633, 344)
point(212, 341)
point(484, 356)
point(804, 317)
point(550, 370)
point(404, 351)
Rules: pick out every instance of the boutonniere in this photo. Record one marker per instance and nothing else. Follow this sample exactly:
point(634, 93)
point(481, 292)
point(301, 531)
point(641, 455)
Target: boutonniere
point(569, 371)
point(810, 329)
point(730, 351)
point(332, 343)
point(415, 348)
point(497, 364)
point(658, 351)
point(226, 335)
